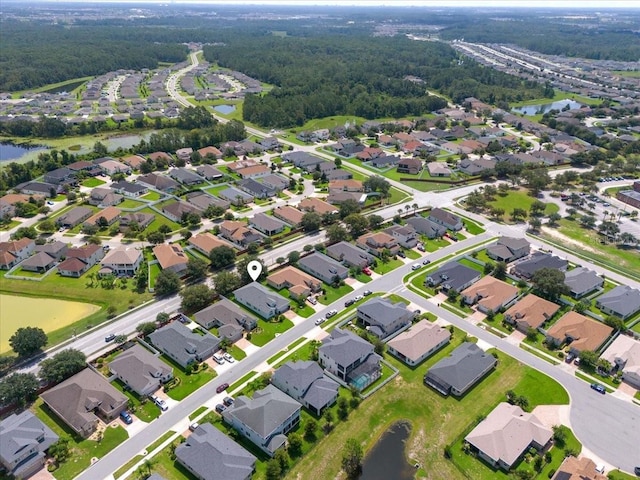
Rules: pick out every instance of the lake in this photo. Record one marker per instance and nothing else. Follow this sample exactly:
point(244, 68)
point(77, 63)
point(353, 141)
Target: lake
point(545, 107)
point(225, 109)
point(10, 151)
point(387, 460)
point(125, 141)
point(47, 313)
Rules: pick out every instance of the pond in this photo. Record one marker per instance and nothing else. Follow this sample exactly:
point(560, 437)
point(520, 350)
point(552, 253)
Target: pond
point(225, 109)
point(125, 141)
point(545, 107)
point(387, 458)
point(11, 151)
point(47, 313)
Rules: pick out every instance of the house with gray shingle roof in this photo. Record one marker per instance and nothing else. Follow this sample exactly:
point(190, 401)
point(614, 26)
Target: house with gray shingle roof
point(508, 249)
point(256, 189)
point(183, 345)
point(426, 227)
point(350, 255)
point(185, 176)
point(230, 319)
point(24, 439)
point(74, 217)
point(537, 261)
point(322, 267)
point(140, 370)
point(382, 317)
point(211, 455)
point(235, 196)
point(264, 419)
point(462, 369)
point(267, 224)
point(622, 301)
point(453, 276)
point(581, 281)
point(446, 219)
point(261, 300)
point(40, 262)
point(305, 382)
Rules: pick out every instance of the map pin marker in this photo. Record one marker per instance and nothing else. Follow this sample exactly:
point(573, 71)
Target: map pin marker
point(255, 269)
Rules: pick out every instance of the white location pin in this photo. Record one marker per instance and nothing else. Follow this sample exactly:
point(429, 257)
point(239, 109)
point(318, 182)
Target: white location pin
point(255, 269)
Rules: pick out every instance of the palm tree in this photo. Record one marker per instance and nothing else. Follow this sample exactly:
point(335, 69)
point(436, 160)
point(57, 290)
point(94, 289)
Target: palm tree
point(628, 239)
point(415, 208)
point(407, 208)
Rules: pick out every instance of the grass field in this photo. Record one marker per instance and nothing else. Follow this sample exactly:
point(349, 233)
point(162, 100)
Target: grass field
point(130, 203)
point(46, 313)
point(189, 383)
point(519, 199)
point(92, 182)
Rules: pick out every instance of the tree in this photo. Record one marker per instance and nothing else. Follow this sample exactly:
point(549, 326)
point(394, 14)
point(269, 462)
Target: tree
point(518, 213)
point(47, 226)
point(274, 470)
point(243, 271)
point(18, 389)
point(28, 340)
point(293, 257)
point(615, 322)
point(343, 408)
point(147, 328)
point(167, 282)
point(226, 282)
point(196, 297)
point(535, 224)
point(588, 221)
point(311, 221)
point(310, 429)
point(156, 237)
point(500, 271)
point(550, 283)
point(60, 450)
point(222, 257)
point(375, 221)
point(349, 207)
point(282, 458)
point(196, 268)
point(537, 208)
point(357, 224)
point(554, 218)
point(588, 359)
point(295, 444)
point(62, 365)
point(337, 233)
point(560, 434)
point(352, 458)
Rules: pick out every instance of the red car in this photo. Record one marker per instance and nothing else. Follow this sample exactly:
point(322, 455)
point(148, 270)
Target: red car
point(222, 387)
point(366, 271)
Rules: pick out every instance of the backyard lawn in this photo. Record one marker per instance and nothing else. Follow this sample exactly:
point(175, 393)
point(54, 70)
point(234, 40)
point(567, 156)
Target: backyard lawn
point(159, 220)
point(391, 264)
point(130, 203)
point(92, 182)
point(266, 331)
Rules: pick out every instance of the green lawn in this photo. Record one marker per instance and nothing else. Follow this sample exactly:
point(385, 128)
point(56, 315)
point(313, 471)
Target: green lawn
point(10, 225)
point(618, 475)
point(468, 263)
point(142, 408)
point(473, 228)
point(188, 383)
point(236, 352)
point(266, 331)
point(518, 199)
point(282, 353)
point(236, 384)
point(159, 220)
point(154, 271)
point(121, 471)
point(411, 254)
point(82, 450)
point(130, 203)
point(151, 196)
point(197, 412)
point(382, 268)
point(92, 182)
point(433, 244)
point(483, 257)
point(332, 294)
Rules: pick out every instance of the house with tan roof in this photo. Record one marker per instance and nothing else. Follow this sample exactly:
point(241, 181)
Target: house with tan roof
point(121, 261)
point(205, 242)
point(175, 210)
point(439, 169)
point(171, 257)
point(489, 294)
point(580, 332)
point(254, 171)
point(109, 214)
point(573, 468)
point(419, 342)
point(506, 434)
point(412, 166)
point(210, 151)
point(160, 156)
point(238, 233)
point(312, 204)
point(624, 355)
point(8, 202)
point(349, 185)
point(300, 284)
point(134, 161)
point(369, 153)
point(289, 214)
point(530, 311)
point(104, 197)
point(376, 242)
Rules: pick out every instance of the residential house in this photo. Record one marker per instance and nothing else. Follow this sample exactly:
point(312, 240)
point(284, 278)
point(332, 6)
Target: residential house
point(210, 151)
point(385, 161)
point(183, 345)
point(446, 219)
point(256, 189)
point(346, 185)
point(175, 210)
point(185, 176)
point(573, 468)
point(264, 419)
point(74, 217)
point(539, 260)
point(302, 160)
point(270, 143)
point(79, 260)
point(289, 214)
point(350, 255)
point(490, 294)
point(24, 440)
point(369, 153)
point(60, 176)
point(10, 200)
point(202, 200)
point(453, 276)
point(350, 358)
point(209, 454)
point(377, 242)
point(84, 166)
point(382, 318)
point(162, 156)
point(209, 172)
point(108, 215)
point(347, 147)
point(300, 284)
point(205, 242)
point(57, 250)
point(38, 188)
point(305, 382)
point(412, 166)
point(506, 434)
point(530, 312)
point(426, 227)
point(109, 166)
point(230, 319)
point(235, 196)
point(140, 370)
point(254, 171)
point(104, 197)
point(142, 220)
point(337, 174)
point(419, 342)
point(40, 263)
point(275, 182)
point(82, 400)
point(579, 332)
point(323, 267)
point(267, 224)
point(462, 369)
point(312, 204)
point(134, 161)
point(159, 182)
point(235, 167)
point(622, 301)
point(439, 169)
point(508, 249)
point(261, 300)
point(238, 233)
point(624, 356)
point(122, 261)
point(337, 197)
point(184, 154)
point(171, 257)
point(581, 281)
point(14, 251)
point(405, 235)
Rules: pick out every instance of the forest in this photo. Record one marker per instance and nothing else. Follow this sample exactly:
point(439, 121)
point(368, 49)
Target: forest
point(372, 77)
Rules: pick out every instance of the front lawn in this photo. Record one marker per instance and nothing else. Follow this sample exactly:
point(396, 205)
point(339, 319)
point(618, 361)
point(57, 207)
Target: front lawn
point(332, 294)
point(92, 182)
point(236, 352)
point(266, 331)
point(471, 264)
point(433, 244)
point(188, 383)
point(391, 264)
point(142, 408)
point(159, 220)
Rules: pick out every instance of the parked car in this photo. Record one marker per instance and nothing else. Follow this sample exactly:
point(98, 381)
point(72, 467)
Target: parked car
point(636, 470)
point(366, 293)
point(193, 426)
point(401, 254)
point(219, 359)
point(576, 362)
point(222, 387)
point(426, 261)
point(49, 202)
point(319, 320)
point(229, 358)
point(415, 266)
point(110, 337)
point(569, 358)
point(366, 271)
point(126, 417)
point(421, 247)
point(220, 408)
point(228, 401)
point(599, 388)
point(358, 298)
point(331, 313)
point(349, 302)
point(312, 300)
point(160, 403)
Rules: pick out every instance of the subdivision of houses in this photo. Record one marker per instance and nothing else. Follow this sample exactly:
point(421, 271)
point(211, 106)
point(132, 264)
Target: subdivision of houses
point(183, 345)
point(228, 317)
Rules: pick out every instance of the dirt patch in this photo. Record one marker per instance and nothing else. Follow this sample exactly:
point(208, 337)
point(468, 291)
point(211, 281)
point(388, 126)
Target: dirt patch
point(566, 240)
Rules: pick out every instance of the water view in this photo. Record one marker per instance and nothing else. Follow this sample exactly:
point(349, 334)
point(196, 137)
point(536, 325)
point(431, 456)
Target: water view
point(225, 109)
point(10, 151)
point(125, 141)
point(387, 459)
point(545, 107)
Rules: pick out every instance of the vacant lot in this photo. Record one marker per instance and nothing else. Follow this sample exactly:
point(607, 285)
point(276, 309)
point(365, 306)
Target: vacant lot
point(518, 199)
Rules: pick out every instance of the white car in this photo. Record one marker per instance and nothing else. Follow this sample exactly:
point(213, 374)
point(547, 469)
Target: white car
point(358, 298)
point(160, 403)
point(415, 266)
point(331, 313)
point(319, 320)
point(229, 358)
